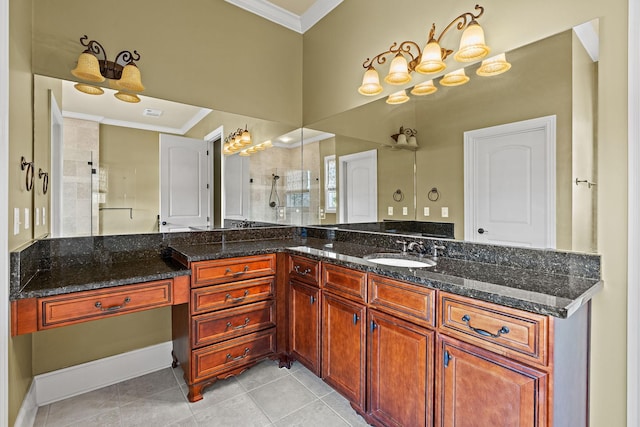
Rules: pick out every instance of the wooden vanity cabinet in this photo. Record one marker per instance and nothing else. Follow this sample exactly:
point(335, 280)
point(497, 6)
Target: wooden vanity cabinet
point(229, 323)
point(304, 324)
point(344, 332)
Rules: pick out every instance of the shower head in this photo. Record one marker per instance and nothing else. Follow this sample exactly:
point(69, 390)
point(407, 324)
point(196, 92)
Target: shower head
point(275, 177)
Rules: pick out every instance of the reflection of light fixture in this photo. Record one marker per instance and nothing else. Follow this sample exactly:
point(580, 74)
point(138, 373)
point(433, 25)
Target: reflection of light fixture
point(454, 78)
point(397, 98)
point(494, 66)
point(89, 89)
point(426, 88)
point(408, 57)
point(123, 74)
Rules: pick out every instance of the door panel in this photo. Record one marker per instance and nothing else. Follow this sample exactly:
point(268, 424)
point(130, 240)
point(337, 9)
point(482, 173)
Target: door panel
point(358, 187)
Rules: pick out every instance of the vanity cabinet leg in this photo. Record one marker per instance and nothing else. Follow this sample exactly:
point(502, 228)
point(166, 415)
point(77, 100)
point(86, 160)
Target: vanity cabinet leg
point(175, 362)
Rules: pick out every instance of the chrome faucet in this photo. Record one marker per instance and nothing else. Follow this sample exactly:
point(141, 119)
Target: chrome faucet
point(404, 245)
point(418, 247)
point(437, 248)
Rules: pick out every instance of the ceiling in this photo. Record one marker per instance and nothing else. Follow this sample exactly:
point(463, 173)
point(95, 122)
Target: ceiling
point(297, 15)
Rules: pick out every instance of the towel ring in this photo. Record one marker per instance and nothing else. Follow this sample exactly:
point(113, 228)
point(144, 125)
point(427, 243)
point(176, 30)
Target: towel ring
point(433, 195)
point(29, 174)
point(398, 196)
point(45, 180)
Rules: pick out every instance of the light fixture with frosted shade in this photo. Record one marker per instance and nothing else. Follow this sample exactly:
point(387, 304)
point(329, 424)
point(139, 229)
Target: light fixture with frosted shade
point(431, 60)
point(454, 78)
point(88, 68)
point(398, 71)
point(370, 83)
point(245, 137)
point(89, 89)
point(472, 46)
point(426, 88)
point(267, 144)
point(244, 153)
point(127, 97)
point(397, 98)
point(122, 73)
point(131, 79)
point(493, 66)
point(259, 147)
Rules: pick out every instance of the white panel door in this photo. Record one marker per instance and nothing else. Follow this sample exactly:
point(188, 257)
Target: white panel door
point(510, 184)
point(184, 182)
point(236, 187)
point(358, 187)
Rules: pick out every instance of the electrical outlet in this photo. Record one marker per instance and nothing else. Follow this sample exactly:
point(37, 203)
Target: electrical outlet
point(27, 218)
point(405, 210)
point(322, 214)
point(16, 221)
point(426, 211)
point(390, 210)
point(445, 212)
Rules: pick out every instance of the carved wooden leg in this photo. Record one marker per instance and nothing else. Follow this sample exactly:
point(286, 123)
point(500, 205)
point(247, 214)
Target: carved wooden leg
point(175, 362)
point(285, 361)
point(195, 392)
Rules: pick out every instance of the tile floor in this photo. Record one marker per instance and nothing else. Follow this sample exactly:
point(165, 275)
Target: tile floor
point(262, 396)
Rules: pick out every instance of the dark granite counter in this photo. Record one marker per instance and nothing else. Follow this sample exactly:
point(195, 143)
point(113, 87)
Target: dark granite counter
point(84, 277)
point(531, 290)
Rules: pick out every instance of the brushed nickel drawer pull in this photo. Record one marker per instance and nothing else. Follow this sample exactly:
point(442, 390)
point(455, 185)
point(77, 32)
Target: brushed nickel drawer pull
point(126, 301)
point(242, 356)
point(237, 273)
point(303, 272)
point(244, 325)
point(229, 298)
point(502, 331)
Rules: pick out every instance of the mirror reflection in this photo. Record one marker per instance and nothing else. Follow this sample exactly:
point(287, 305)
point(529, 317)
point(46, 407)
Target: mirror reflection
point(349, 169)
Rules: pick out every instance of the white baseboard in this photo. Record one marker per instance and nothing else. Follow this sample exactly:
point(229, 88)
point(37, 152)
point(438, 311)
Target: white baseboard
point(72, 381)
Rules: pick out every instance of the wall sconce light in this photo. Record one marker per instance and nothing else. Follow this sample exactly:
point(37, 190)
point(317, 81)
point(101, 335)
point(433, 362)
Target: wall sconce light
point(406, 138)
point(236, 140)
point(123, 74)
point(409, 58)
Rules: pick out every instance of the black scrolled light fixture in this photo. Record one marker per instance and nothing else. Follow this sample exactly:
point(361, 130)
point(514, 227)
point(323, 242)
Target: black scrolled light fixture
point(123, 73)
point(431, 59)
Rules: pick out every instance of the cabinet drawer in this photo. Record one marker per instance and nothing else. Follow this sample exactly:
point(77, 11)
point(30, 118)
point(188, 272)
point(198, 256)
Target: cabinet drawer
point(348, 283)
point(410, 302)
point(228, 295)
point(304, 269)
point(226, 270)
point(212, 360)
point(515, 333)
point(225, 324)
point(62, 310)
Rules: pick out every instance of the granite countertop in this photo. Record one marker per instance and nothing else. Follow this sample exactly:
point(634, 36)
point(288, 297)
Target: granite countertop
point(84, 277)
point(549, 294)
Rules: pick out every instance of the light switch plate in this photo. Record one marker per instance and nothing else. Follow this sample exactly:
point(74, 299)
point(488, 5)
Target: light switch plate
point(16, 221)
point(405, 210)
point(390, 210)
point(426, 211)
point(37, 216)
point(44, 216)
point(27, 218)
point(445, 212)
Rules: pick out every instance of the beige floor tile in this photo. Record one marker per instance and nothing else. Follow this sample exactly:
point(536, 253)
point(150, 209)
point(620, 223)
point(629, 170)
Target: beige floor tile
point(261, 374)
point(159, 409)
point(216, 393)
point(80, 407)
point(239, 411)
point(106, 419)
point(312, 382)
point(146, 385)
point(341, 405)
point(316, 414)
point(41, 416)
point(282, 397)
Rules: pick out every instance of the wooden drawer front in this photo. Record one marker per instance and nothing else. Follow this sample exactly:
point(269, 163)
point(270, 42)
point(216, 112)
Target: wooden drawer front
point(230, 269)
point(304, 270)
point(231, 295)
point(410, 302)
point(225, 324)
point(515, 333)
point(78, 307)
point(349, 283)
point(215, 359)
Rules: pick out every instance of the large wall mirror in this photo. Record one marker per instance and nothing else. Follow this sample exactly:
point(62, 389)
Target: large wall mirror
point(301, 176)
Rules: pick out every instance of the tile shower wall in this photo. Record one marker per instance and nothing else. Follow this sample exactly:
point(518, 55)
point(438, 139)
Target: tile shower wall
point(79, 207)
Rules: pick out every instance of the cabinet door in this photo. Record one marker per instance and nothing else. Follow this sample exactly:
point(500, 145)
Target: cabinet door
point(304, 320)
point(343, 347)
point(400, 371)
point(478, 388)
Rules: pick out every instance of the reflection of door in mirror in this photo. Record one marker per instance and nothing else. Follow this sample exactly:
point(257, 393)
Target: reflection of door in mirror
point(358, 187)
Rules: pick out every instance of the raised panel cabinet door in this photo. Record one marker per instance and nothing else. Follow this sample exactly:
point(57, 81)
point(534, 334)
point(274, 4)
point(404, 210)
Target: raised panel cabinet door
point(343, 347)
point(400, 371)
point(477, 388)
point(304, 321)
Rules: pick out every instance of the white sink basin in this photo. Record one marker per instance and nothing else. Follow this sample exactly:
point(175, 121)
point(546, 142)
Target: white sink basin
point(400, 260)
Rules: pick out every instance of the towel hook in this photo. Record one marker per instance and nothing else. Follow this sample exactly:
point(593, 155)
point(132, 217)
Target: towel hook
point(398, 195)
point(433, 195)
point(29, 174)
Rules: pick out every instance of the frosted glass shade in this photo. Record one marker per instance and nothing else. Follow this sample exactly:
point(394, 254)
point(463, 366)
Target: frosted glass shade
point(370, 83)
point(89, 89)
point(454, 78)
point(88, 68)
point(131, 79)
point(397, 98)
point(431, 60)
point(398, 71)
point(246, 137)
point(426, 88)
point(493, 66)
point(244, 153)
point(472, 46)
point(127, 97)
